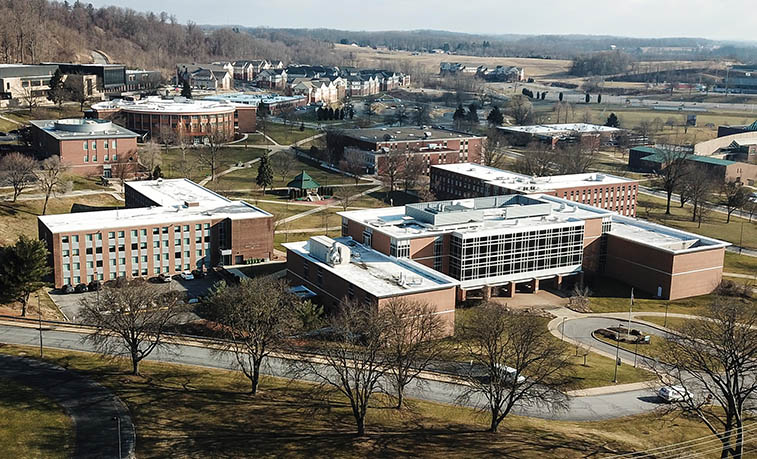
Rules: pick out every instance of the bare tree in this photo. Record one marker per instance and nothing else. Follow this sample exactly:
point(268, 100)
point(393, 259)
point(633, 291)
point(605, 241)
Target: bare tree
point(124, 167)
point(352, 162)
point(390, 168)
point(420, 115)
point(210, 154)
point(494, 149)
point(50, 178)
point(538, 161)
point(515, 361)
point(673, 169)
point(715, 360)
point(520, 109)
point(282, 165)
point(150, 155)
point(400, 115)
point(130, 320)
point(412, 329)
point(353, 363)
point(696, 186)
point(344, 195)
point(17, 169)
point(28, 95)
point(735, 197)
point(258, 315)
point(413, 169)
point(574, 159)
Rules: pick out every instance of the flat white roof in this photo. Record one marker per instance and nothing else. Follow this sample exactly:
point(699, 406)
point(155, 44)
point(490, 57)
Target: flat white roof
point(254, 98)
point(394, 222)
point(561, 129)
point(171, 194)
point(87, 129)
point(379, 274)
point(157, 104)
point(521, 182)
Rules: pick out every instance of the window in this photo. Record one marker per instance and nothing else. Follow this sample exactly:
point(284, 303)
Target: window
point(105, 144)
point(319, 279)
point(399, 249)
point(351, 291)
point(113, 144)
point(94, 157)
point(86, 145)
point(86, 158)
point(134, 234)
point(105, 157)
point(143, 232)
point(367, 236)
point(75, 238)
point(64, 239)
point(306, 270)
point(89, 238)
point(120, 234)
point(111, 235)
point(115, 157)
point(94, 145)
point(75, 252)
point(65, 253)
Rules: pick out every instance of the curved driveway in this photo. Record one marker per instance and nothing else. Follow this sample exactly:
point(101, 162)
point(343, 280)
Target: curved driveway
point(594, 407)
point(91, 406)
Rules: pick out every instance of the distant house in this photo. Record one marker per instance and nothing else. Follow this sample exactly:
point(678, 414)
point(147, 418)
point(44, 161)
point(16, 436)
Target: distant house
point(502, 73)
point(216, 76)
point(271, 79)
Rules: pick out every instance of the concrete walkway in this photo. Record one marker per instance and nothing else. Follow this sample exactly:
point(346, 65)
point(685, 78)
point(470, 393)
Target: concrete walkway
point(325, 206)
point(91, 406)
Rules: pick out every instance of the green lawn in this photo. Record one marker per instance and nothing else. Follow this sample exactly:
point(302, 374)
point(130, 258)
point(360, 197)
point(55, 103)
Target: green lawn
point(285, 135)
point(281, 238)
point(21, 217)
point(32, 425)
point(674, 323)
point(653, 349)
point(653, 208)
point(187, 411)
point(740, 264)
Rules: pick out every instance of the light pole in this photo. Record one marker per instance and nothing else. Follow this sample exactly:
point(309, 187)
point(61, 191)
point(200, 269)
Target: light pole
point(39, 317)
point(118, 424)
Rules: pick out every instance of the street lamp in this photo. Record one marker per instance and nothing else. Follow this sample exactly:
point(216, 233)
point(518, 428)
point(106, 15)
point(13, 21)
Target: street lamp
point(118, 424)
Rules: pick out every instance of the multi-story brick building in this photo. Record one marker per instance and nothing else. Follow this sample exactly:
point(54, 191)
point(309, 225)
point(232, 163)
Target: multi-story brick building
point(167, 227)
point(343, 269)
point(88, 147)
point(465, 180)
point(504, 244)
point(433, 146)
point(181, 118)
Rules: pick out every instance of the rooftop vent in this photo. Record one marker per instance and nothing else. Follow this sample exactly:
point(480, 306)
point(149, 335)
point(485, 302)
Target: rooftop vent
point(192, 203)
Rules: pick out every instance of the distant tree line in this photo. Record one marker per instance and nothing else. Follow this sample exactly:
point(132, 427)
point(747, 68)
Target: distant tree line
point(602, 63)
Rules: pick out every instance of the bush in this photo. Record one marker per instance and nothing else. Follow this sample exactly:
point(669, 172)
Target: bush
point(734, 289)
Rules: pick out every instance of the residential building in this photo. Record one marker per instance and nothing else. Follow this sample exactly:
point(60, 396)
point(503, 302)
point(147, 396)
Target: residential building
point(466, 180)
point(271, 78)
point(189, 119)
point(167, 227)
point(88, 147)
point(433, 146)
point(342, 269)
point(216, 76)
point(501, 245)
point(142, 80)
point(652, 159)
point(24, 83)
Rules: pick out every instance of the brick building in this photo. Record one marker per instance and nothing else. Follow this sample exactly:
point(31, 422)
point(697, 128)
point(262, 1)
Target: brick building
point(89, 147)
point(167, 227)
point(341, 269)
point(465, 180)
point(651, 159)
point(434, 146)
point(180, 117)
point(517, 243)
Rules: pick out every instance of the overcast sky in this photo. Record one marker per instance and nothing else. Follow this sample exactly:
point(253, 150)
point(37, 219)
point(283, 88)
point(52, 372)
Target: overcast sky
point(716, 19)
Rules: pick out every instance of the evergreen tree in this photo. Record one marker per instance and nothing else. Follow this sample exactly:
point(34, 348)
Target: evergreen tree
point(472, 115)
point(302, 127)
point(560, 97)
point(265, 173)
point(459, 116)
point(22, 270)
point(331, 113)
point(612, 121)
point(157, 173)
point(588, 98)
point(186, 90)
point(56, 94)
point(599, 98)
point(341, 114)
point(352, 112)
point(495, 117)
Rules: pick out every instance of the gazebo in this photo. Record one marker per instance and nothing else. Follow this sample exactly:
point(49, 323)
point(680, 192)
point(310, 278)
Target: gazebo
point(304, 183)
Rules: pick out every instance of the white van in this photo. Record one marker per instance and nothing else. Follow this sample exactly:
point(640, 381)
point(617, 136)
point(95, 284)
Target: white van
point(509, 374)
point(672, 394)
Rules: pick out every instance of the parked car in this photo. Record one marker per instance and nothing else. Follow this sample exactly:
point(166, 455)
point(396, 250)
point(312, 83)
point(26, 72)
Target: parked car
point(193, 301)
point(198, 274)
point(672, 394)
point(165, 278)
point(186, 275)
point(94, 286)
point(509, 374)
point(80, 288)
point(68, 288)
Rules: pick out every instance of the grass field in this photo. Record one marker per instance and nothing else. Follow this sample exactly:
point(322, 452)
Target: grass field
point(674, 323)
point(284, 135)
point(21, 217)
point(32, 425)
point(610, 295)
point(653, 208)
point(740, 264)
point(184, 411)
point(229, 156)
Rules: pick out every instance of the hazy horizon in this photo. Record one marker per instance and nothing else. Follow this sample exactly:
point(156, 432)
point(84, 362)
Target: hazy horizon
point(672, 18)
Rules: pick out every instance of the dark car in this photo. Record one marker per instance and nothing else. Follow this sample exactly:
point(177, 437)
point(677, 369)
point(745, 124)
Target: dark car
point(94, 286)
point(198, 274)
point(68, 288)
point(80, 288)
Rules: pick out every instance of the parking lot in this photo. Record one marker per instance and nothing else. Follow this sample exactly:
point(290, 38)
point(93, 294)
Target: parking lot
point(69, 303)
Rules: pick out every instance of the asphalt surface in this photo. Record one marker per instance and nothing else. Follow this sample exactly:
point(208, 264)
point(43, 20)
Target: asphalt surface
point(92, 407)
point(579, 409)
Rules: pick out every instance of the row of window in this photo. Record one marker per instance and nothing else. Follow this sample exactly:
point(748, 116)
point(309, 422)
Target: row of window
point(178, 229)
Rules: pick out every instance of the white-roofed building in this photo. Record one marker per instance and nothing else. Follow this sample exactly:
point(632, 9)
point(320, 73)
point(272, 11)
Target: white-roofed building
point(167, 226)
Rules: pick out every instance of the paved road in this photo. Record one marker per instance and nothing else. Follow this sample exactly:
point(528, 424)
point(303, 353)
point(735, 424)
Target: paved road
point(580, 408)
point(91, 406)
